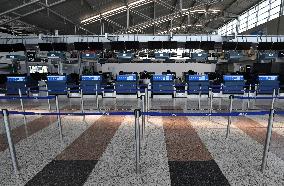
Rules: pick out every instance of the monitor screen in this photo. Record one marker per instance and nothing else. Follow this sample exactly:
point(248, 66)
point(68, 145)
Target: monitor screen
point(56, 78)
point(81, 46)
point(45, 47)
point(16, 79)
point(267, 78)
point(192, 45)
point(169, 44)
point(233, 78)
point(89, 56)
point(126, 78)
point(91, 78)
point(39, 69)
point(162, 77)
point(198, 78)
point(155, 45)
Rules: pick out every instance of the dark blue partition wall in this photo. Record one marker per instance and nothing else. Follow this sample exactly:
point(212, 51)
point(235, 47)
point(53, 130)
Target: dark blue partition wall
point(14, 84)
point(233, 84)
point(198, 83)
point(267, 84)
point(162, 84)
point(126, 84)
point(57, 85)
point(88, 84)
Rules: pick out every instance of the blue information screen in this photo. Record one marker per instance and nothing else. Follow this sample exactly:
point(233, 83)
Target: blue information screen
point(267, 78)
point(12, 56)
point(91, 78)
point(16, 79)
point(56, 78)
point(233, 78)
point(162, 77)
point(198, 78)
point(126, 78)
point(88, 56)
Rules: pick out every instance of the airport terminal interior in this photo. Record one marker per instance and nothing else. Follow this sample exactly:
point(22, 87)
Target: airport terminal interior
point(141, 92)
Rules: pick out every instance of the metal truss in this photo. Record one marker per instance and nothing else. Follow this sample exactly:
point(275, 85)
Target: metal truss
point(176, 14)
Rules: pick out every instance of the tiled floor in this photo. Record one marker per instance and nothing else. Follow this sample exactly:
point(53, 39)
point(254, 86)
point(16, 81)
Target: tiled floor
point(100, 150)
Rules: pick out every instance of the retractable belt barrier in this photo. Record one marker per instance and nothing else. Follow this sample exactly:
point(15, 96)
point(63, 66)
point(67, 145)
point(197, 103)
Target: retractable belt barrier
point(26, 97)
point(139, 129)
point(177, 114)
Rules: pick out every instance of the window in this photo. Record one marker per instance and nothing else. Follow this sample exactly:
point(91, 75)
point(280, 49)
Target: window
point(259, 14)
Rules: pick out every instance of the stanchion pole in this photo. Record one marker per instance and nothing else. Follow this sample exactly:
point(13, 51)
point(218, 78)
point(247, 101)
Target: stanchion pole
point(143, 116)
point(147, 101)
point(97, 97)
point(199, 98)
point(48, 101)
point(211, 103)
point(273, 99)
point(137, 114)
point(268, 139)
point(82, 105)
point(230, 117)
point(248, 103)
point(10, 141)
point(22, 106)
point(59, 118)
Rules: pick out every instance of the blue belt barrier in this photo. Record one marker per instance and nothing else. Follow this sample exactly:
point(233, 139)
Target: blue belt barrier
point(148, 113)
point(260, 97)
point(15, 98)
point(73, 113)
point(208, 114)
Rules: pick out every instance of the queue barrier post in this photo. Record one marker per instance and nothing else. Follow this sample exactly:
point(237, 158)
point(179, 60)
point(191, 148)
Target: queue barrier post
point(147, 101)
point(199, 98)
point(97, 97)
point(22, 106)
point(230, 117)
point(211, 103)
point(82, 105)
point(10, 141)
point(48, 101)
point(273, 99)
point(58, 118)
point(137, 114)
point(143, 116)
point(248, 103)
point(267, 140)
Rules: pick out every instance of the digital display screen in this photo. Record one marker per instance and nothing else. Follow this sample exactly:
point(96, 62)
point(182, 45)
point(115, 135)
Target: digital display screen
point(91, 78)
point(267, 78)
point(89, 56)
point(54, 55)
point(16, 79)
point(126, 78)
point(12, 56)
point(233, 78)
point(39, 69)
point(198, 78)
point(56, 78)
point(162, 77)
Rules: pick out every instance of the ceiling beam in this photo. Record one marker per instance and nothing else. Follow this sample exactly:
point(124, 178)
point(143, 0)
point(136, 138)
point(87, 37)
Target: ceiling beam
point(166, 18)
point(19, 7)
point(32, 12)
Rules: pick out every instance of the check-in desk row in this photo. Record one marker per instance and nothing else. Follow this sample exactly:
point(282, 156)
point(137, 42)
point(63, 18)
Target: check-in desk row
point(159, 85)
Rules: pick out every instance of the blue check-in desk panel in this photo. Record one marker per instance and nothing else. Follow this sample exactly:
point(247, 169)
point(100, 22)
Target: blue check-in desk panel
point(91, 84)
point(126, 84)
point(14, 84)
point(57, 85)
point(233, 84)
point(198, 83)
point(162, 84)
point(267, 84)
